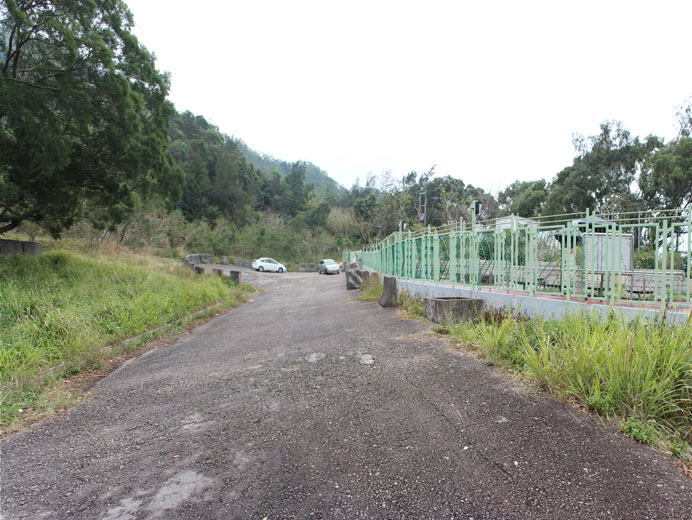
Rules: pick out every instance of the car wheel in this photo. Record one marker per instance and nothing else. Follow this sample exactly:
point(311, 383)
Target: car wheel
point(260, 269)
point(281, 269)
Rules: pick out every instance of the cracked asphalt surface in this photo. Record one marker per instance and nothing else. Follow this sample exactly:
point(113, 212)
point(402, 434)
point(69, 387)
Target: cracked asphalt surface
point(267, 412)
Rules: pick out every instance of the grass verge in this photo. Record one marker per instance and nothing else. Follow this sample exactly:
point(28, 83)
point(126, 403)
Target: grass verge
point(65, 313)
point(410, 306)
point(638, 374)
point(371, 290)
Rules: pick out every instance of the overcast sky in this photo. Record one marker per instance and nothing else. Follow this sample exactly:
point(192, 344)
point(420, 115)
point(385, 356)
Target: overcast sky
point(489, 92)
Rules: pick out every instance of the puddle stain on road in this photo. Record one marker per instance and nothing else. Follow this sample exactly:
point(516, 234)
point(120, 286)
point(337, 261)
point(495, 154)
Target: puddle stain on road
point(176, 490)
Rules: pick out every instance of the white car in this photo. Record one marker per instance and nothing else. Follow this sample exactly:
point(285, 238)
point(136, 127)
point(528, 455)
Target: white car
point(268, 264)
point(328, 266)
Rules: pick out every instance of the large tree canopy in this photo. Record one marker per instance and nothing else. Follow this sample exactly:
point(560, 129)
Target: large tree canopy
point(605, 166)
point(83, 114)
point(524, 198)
point(669, 184)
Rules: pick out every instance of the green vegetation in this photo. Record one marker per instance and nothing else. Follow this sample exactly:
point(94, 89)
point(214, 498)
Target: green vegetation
point(410, 306)
point(89, 140)
point(371, 290)
point(83, 115)
point(59, 313)
point(638, 372)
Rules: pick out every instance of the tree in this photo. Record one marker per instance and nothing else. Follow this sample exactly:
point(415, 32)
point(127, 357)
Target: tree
point(219, 180)
point(605, 165)
point(525, 199)
point(300, 192)
point(83, 114)
point(684, 115)
point(315, 216)
point(669, 185)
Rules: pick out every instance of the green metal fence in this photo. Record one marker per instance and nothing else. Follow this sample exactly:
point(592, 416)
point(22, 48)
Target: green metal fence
point(637, 258)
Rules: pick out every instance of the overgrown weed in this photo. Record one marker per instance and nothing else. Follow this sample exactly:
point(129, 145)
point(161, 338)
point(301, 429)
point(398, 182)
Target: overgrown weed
point(638, 373)
point(371, 290)
point(59, 312)
point(411, 307)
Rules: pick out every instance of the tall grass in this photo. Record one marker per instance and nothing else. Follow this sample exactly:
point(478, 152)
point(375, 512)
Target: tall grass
point(59, 311)
point(371, 290)
point(410, 306)
point(638, 372)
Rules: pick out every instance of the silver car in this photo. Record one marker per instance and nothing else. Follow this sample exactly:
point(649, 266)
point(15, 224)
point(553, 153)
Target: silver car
point(328, 266)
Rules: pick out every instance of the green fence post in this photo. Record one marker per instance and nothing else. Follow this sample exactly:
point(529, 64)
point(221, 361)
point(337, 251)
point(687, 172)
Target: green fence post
point(436, 257)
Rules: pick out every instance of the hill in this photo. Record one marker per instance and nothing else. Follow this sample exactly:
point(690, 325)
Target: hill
point(314, 175)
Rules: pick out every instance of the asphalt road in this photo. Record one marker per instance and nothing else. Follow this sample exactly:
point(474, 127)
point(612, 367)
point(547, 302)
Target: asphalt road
point(268, 412)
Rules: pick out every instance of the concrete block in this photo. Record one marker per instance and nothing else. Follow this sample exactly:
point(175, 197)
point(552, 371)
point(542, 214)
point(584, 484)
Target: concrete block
point(10, 247)
point(237, 276)
point(354, 280)
point(238, 261)
point(302, 268)
point(247, 263)
point(224, 260)
point(389, 292)
point(312, 268)
point(31, 248)
point(453, 310)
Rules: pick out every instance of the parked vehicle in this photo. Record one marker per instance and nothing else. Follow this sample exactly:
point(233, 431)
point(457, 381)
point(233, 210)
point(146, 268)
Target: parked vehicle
point(328, 266)
point(268, 264)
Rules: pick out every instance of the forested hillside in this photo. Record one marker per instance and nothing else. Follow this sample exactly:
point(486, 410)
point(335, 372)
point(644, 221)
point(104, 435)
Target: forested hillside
point(322, 183)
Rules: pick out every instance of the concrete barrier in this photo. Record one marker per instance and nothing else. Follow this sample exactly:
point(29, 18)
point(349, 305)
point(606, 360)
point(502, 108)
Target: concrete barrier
point(302, 268)
point(312, 267)
point(389, 292)
point(237, 277)
point(238, 261)
point(20, 247)
point(247, 263)
point(453, 310)
point(224, 260)
point(354, 279)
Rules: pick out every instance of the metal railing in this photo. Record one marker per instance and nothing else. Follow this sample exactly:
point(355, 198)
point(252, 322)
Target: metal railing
point(635, 258)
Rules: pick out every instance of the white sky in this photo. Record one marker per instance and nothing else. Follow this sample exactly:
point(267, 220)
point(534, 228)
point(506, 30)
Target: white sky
point(490, 92)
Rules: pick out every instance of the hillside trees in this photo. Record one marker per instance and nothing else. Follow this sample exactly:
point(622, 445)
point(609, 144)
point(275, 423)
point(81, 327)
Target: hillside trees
point(83, 115)
point(219, 181)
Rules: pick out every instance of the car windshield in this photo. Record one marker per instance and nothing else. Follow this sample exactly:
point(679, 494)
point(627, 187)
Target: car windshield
point(330, 261)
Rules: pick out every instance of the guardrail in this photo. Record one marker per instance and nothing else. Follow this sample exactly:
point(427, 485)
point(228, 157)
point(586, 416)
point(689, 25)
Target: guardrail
point(635, 258)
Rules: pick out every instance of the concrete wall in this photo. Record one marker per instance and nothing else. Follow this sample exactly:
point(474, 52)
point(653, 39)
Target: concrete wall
point(18, 247)
point(534, 306)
